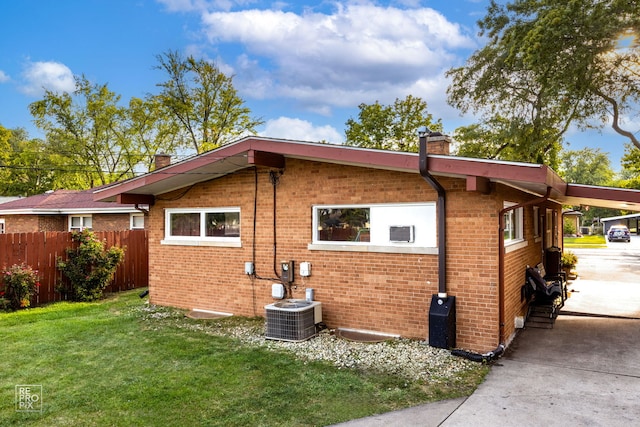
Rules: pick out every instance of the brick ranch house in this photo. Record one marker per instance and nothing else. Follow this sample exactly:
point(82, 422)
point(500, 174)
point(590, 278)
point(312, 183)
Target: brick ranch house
point(67, 210)
point(368, 223)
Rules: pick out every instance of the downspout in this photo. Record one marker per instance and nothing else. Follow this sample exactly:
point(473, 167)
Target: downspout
point(502, 254)
point(441, 211)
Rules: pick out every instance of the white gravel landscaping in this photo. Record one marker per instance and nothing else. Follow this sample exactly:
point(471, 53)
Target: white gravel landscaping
point(411, 359)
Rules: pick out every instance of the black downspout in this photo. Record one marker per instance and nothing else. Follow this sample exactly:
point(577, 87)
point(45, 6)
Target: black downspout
point(442, 312)
point(441, 214)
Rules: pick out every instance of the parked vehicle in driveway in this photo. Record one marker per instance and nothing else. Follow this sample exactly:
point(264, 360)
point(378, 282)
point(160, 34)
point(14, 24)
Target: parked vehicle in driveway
point(619, 232)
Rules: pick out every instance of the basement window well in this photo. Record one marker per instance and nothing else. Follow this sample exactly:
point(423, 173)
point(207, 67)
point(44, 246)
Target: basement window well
point(202, 227)
point(402, 227)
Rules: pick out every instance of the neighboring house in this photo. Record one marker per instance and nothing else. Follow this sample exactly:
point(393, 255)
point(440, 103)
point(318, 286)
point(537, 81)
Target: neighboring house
point(67, 210)
point(379, 237)
point(572, 218)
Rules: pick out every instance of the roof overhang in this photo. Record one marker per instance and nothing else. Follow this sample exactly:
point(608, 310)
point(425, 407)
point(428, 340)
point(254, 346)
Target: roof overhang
point(257, 151)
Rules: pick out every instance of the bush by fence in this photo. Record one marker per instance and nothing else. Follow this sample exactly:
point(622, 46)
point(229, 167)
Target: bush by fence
point(40, 251)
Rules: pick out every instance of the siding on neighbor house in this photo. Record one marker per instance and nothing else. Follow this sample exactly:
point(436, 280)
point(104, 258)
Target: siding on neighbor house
point(386, 292)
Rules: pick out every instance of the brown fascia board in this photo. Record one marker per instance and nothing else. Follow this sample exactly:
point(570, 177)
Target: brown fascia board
point(135, 199)
point(624, 195)
point(272, 153)
point(479, 172)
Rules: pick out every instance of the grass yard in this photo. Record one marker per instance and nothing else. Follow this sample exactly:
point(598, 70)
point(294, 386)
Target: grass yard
point(107, 364)
point(585, 242)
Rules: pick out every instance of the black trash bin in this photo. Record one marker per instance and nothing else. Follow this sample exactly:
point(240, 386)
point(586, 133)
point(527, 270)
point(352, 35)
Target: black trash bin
point(553, 261)
point(442, 322)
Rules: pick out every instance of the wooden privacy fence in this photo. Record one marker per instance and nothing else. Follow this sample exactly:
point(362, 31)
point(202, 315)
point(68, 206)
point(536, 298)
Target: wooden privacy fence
point(40, 251)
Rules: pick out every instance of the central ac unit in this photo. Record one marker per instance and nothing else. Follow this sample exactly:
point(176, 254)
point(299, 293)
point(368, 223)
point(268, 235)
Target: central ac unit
point(292, 320)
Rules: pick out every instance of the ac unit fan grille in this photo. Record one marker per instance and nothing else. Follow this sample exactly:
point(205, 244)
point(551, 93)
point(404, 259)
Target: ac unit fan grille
point(290, 325)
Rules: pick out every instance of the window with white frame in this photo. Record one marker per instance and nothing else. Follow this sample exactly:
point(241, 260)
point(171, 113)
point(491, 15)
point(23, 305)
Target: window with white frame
point(513, 224)
point(390, 225)
point(79, 222)
point(137, 221)
point(203, 224)
point(2, 229)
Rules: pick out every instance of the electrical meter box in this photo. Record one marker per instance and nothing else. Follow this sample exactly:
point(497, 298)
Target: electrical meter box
point(287, 271)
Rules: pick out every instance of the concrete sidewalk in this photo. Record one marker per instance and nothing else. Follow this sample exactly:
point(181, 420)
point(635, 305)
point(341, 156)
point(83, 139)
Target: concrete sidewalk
point(584, 371)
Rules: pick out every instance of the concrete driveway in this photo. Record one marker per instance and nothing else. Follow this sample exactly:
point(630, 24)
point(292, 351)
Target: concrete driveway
point(583, 372)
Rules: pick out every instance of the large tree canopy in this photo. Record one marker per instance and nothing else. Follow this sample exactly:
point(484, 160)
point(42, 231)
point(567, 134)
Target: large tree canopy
point(85, 129)
point(588, 166)
point(554, 63)
point(93, 139)
point(390, 127)
point(203, 100)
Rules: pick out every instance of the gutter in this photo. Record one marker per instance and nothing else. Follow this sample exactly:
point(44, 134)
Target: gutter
point(441, 211)
point(501, 255)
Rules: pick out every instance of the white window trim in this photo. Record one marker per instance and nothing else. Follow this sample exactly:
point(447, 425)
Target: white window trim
point(518, 218)
point(3, 229)
point(201, 240)
point(391, 247)
point(82, 220)
point(131, 224)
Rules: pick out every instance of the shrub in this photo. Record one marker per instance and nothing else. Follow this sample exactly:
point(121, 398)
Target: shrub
point(19, 284)
point(569, 259)
point(569, 228)
point(89, 267)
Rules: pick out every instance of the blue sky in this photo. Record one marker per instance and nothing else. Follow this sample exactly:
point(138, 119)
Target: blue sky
point(301, 66)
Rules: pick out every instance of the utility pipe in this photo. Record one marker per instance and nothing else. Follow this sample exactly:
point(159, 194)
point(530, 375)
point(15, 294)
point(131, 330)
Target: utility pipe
point(441, 211)
point(502, 254)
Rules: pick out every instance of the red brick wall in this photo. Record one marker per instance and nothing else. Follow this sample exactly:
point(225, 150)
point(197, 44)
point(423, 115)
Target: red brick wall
point(386, 292)
point(21, 223)
point(110, 222)
point(517, 260)
point(53, 223)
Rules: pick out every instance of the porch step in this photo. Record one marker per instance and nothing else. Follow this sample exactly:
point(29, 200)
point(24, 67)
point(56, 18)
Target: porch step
point(541, 316)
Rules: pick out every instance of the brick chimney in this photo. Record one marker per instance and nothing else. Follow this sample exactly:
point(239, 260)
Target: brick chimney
point(161, 160)
point(438, 144)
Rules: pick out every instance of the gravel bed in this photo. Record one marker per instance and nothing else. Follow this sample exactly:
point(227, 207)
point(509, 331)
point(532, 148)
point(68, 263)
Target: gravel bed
point(412, 359)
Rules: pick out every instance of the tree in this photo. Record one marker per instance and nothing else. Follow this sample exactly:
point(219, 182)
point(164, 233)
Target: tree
point(5, 149)
point(150, 131)
point(390, 127)
point(86, 131)
point(551, 64)
point(203, 100)
point(27, 167)
point(589, 166)
point(630, 174)
point(507, 139)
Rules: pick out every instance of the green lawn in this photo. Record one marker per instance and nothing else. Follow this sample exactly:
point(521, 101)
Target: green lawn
point(110, 364)
point(585, 242)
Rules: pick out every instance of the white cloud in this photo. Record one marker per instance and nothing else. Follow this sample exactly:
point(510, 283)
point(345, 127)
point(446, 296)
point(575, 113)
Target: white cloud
point(301, 130)
point(360, 53)
point(50, 75)
point(4, 77)
point(201, 5)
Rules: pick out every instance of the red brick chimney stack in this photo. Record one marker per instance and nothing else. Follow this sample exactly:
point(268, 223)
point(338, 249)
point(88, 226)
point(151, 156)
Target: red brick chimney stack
point(162, 160)
point(439, 144)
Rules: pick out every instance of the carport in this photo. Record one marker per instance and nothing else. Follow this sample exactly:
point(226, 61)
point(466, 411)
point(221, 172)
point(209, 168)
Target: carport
point(631, 221)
